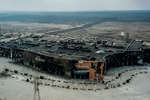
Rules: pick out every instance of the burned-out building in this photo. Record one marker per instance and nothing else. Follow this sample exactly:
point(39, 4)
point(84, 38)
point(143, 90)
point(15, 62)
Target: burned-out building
point(76, 59)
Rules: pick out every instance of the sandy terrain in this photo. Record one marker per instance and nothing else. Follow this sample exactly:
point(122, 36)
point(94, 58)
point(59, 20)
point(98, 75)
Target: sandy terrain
point(16, 89)
point(104, 31)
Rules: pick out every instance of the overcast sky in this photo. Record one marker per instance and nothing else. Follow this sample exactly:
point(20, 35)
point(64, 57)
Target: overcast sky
point(73, 5)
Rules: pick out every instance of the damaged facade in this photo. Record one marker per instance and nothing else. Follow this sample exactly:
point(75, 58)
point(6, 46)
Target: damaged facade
point(76, 59)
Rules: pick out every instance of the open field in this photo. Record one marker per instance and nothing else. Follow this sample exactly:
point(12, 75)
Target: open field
point(106, 30)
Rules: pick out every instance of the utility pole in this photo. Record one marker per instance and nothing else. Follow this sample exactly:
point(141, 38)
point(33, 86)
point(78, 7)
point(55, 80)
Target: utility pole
point(11, 53)
point(19, 38)
point(0, 29)
point(36, 89)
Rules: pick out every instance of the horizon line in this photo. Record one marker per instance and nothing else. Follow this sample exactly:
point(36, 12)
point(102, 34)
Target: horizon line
point(71, 10)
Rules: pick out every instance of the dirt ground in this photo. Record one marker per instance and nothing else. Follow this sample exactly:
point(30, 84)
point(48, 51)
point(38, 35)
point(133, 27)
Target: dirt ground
point(16, 89)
